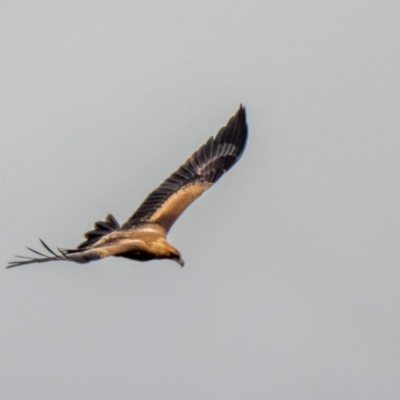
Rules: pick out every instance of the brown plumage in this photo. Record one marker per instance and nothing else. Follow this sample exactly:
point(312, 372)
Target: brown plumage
point(143, 236)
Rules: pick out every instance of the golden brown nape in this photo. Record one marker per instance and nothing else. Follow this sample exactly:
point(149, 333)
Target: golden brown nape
point(143, 236)
point(162, 249)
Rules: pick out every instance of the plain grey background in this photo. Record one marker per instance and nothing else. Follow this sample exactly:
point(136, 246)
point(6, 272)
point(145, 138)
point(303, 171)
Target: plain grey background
point(291, 283)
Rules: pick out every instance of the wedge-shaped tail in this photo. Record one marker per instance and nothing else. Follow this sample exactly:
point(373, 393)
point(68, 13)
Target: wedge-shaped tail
point(101, 228)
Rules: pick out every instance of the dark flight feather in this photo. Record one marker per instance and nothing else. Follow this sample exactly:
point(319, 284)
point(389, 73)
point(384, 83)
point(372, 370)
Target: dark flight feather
point(204, 167)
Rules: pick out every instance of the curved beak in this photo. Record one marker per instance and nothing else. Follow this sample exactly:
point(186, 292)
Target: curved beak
point(180, 262)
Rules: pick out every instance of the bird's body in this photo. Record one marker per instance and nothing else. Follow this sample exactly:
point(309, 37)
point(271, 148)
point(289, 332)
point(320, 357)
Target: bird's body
point(143, 236)
point(144, 243)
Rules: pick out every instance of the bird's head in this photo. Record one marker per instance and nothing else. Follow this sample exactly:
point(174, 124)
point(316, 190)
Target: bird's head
point(175, 255)
point(162, 249)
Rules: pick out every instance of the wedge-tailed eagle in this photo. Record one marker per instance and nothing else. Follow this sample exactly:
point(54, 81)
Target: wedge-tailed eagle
point(144, 236)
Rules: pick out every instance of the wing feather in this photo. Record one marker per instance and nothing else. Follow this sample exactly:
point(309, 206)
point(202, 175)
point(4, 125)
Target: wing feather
point(200, 171)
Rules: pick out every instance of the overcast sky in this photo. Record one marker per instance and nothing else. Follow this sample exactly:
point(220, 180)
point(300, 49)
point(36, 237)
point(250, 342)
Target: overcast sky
point(291, 283)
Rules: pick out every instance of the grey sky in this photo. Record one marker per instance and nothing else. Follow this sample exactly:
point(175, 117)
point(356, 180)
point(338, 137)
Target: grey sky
point(291, 283)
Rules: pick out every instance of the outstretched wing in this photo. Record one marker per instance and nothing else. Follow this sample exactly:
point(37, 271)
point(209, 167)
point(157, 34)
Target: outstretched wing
point(166, 203)
point(115, 244)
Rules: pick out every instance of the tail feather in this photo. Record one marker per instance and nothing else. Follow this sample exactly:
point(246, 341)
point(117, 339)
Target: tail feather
point(101, 228)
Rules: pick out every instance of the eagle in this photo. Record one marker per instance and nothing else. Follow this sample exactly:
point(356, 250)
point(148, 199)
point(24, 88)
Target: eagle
point(143, 236)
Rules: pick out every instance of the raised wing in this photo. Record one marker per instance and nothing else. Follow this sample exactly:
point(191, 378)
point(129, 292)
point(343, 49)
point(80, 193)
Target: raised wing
point(166, 203)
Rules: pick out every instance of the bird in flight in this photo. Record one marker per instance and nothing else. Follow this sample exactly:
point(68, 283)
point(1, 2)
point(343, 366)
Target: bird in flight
point(144, 236)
